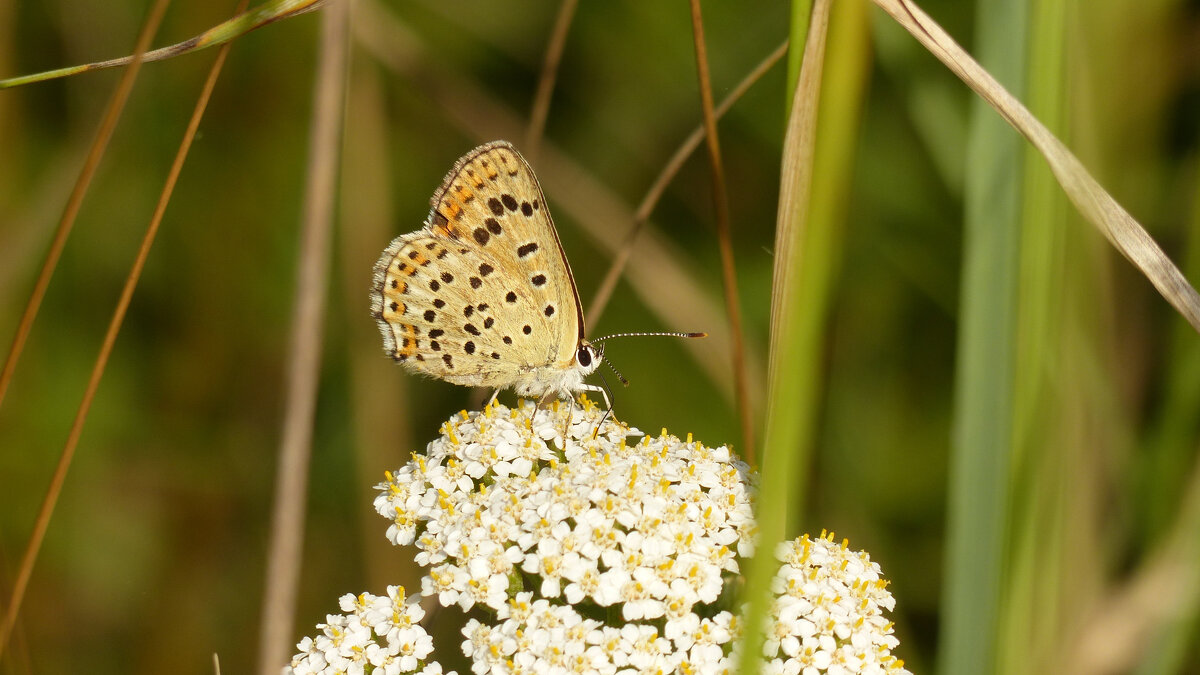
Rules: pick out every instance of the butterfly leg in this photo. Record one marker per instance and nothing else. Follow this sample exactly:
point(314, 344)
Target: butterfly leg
point(492, 400)
point(600, 390)
point(567, 422)
point(607, 404)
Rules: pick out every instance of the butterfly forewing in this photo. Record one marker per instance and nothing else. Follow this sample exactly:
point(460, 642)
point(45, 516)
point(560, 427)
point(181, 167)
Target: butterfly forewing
point(483, 293)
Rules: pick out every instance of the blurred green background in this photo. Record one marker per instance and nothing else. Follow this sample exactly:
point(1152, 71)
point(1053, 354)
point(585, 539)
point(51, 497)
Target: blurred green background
point(156, 555)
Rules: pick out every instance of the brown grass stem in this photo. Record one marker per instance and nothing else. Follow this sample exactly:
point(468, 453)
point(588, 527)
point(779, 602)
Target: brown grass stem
point(118, 317)
point(724, 236)
point(545, 89)
point(665, 176)
point(306, 337)
point(108, 123)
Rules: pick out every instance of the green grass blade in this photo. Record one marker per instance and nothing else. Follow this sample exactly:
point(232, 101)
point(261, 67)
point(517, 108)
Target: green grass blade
point(979, 490)
point(815, 181)
point(797, 37)
point(239, 25)
point(782, 483)
point(1044, 442)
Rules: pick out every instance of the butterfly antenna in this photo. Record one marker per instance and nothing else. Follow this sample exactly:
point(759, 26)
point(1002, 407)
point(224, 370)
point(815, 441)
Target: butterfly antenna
point(619, 375)
point(617, 335)
point(682, 335)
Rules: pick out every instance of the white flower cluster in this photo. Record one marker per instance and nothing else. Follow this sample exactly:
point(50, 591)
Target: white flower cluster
point(596, 555)
point(647, 527)
point(827, 615)
point(350, 643)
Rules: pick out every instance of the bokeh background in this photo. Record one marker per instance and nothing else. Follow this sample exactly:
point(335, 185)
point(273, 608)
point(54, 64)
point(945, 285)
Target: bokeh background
point(155, 558)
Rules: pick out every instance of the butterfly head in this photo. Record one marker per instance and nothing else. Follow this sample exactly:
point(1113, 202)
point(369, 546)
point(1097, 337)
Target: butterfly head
point(588, 358)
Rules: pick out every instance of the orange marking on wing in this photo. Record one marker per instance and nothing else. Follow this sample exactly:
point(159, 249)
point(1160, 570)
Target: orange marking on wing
point(465, 193)
point(408, 341)
point(451, 210)
point(475, 179)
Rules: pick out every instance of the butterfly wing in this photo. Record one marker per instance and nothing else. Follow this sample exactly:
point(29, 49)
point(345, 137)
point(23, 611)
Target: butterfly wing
point(483, 294)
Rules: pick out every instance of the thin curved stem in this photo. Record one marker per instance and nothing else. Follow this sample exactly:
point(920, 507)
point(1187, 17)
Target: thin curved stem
point(110, 337)
point(733, 306)
point(545, 89)
point(665, 176)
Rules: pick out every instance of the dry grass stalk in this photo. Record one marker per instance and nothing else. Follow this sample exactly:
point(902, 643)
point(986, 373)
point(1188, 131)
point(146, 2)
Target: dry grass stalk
point(304, 352)
point(108, 123)
point(1096, 205)
point(545, 88)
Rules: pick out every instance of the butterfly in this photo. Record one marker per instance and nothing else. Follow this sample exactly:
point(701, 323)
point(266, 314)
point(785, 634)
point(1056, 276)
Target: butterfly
point(483, 295)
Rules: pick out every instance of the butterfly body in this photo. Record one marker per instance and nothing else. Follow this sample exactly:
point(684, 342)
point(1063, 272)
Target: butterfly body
point(483, 295)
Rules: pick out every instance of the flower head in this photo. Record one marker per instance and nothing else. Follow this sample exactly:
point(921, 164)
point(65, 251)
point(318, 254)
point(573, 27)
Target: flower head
point(606, 552)
point(379, 632)
point(646, 526)
point(827, 614)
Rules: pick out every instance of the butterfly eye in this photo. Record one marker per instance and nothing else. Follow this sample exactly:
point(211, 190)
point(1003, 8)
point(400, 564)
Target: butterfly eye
point(584, 356)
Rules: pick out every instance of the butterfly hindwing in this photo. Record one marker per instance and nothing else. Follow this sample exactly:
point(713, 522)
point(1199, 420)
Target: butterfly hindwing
point(483, 294)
